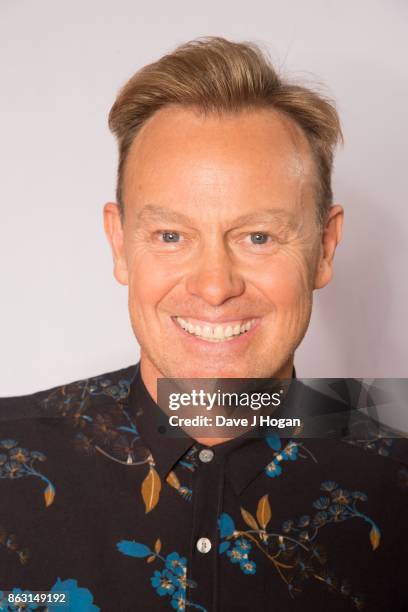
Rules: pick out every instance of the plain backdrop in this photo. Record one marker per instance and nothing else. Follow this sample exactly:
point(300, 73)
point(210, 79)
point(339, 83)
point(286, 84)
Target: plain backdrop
point(63, 316)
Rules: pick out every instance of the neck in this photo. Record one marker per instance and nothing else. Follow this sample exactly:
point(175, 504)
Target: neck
point(150, 374)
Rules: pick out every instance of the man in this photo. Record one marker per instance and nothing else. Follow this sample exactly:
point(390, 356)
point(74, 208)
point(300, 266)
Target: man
point(224, 226)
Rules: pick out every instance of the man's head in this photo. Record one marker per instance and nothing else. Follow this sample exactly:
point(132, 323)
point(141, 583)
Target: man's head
point(224, 224)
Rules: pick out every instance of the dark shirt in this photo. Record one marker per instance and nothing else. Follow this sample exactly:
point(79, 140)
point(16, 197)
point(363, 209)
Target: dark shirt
point(96, 503)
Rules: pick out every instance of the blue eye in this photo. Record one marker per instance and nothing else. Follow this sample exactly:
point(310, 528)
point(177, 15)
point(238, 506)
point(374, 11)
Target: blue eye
point(170, 236)
point(259, 238)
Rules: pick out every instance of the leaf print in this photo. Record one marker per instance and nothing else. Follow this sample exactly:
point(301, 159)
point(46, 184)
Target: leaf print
point(80, 598)
point(274, 441)
point(157, 546)
point(151, 488)
point(375, 537)
point(263, 512)
point(294, 551)
point(151, 558)
point(226, 525)
point(172, 480)
point(249, 519)
point(49, 495)
point(223, 547)
point(133, 549)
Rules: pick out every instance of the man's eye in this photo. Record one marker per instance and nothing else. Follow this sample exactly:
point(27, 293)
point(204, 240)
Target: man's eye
point(170, 236)
point(259, 238)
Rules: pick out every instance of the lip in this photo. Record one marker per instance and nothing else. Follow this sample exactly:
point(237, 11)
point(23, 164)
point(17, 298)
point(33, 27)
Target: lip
point(234, 341)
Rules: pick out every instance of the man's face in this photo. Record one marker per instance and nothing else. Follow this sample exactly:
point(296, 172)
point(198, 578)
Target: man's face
point(220, 246)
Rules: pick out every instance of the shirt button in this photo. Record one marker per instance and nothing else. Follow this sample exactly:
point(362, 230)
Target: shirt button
point(206, 455)
point(203, 545)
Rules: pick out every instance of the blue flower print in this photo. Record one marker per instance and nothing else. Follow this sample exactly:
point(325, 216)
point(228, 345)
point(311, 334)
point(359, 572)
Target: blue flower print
point(304, 520)
point(17, 462)
point(273, 469)
point(341, 496)
point(163, 582)
point(80, 599)
point(178, 601)
point(239, 554)
point(294, 551)
point(328, 485)
point(113, 433)
point(320, 518)
point(176, 564)
point(359, 495)
point(336, 511)
point(248, 567)
point(8, 444)
point(171, 580)
point(290, 451)
point(322, 503)
point(244, 545)
point(236, 555)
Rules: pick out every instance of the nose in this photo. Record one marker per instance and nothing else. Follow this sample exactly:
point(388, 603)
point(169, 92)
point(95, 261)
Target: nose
point(214, 278)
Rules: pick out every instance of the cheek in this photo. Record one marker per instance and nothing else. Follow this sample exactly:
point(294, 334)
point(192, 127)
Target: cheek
point(149, 282)
point(287, 283)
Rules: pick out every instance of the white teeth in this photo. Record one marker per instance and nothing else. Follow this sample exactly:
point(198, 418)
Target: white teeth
point(228, 331)
point(207, 333)
point(219, 333)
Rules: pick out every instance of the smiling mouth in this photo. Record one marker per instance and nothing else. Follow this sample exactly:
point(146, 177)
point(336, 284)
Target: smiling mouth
point(211, 332)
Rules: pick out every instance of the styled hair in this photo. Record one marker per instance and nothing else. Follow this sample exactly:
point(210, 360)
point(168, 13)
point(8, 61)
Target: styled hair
point(213, 74)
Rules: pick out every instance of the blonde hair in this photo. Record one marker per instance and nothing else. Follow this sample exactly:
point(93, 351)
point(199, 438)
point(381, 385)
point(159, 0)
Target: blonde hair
point(213, 74)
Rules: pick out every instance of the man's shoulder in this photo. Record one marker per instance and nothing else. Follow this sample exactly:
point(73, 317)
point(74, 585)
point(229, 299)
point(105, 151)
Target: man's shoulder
point(54, 401)
point(375, 439)
point(358, 431)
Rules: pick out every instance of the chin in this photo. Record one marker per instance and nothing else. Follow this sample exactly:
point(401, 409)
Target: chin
point(211, 370)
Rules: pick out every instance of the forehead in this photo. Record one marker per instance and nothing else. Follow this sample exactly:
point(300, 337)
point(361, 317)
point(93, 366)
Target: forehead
point(182, 157)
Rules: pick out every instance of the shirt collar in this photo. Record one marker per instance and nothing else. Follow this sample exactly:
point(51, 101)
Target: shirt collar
point(246, 456)
point(166, 450)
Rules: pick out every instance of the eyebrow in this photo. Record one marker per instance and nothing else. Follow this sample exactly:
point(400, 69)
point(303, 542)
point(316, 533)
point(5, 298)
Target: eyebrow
point(159, 213)
point(151, 212)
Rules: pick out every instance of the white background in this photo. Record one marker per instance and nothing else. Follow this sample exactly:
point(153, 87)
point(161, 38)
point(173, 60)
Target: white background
point(62, 315)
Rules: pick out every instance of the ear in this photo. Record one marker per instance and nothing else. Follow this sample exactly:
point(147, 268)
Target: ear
point(114, 232)
point(330, 237)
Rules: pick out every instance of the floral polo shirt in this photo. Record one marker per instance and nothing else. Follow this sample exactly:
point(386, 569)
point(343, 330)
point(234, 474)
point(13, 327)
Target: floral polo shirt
point(98, 511)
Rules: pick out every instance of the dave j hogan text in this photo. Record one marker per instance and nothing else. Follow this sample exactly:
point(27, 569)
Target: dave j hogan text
point(223, 421)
